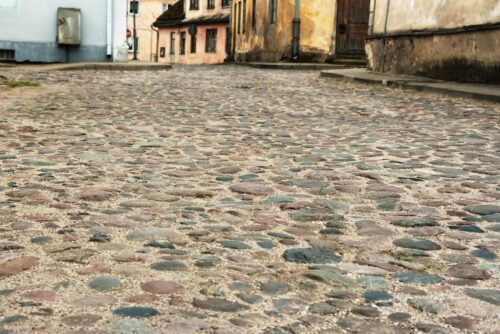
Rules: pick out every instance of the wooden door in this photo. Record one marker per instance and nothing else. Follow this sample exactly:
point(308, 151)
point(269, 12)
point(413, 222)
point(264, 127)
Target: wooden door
point(352, 26)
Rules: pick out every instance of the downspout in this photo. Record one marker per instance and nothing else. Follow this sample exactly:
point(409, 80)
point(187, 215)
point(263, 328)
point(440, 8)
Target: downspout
point(109, 28)
point(230, 37)
point(157, 41)
point(296, 31)
point(385, 35)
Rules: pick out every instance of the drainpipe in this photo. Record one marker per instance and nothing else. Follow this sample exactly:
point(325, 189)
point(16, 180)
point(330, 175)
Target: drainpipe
point(385, 35)
point(157, 41)
point(296, 31)
point(109, 28)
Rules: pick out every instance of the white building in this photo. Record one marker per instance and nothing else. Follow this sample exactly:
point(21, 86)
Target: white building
point(29, 31)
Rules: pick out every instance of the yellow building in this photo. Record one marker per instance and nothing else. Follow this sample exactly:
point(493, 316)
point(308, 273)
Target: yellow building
point(147, 12)
point(263, 30)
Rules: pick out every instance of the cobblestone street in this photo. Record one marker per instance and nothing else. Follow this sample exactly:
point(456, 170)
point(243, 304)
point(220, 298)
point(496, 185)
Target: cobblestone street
point(224, 199)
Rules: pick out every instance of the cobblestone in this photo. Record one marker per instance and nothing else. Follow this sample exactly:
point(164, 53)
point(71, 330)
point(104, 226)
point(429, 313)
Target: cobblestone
point(221, 199)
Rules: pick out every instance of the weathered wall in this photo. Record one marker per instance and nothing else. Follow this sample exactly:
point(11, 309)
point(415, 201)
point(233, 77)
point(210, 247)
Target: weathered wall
point(470, 57)
point(30, 29)
point(149, 10)
point(200, 57)
point(272, 42)
point(424, 38)
point(203, 10)
point(407, 15)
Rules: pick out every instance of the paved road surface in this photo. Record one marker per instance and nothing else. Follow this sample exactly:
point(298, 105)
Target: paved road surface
point(235, 200)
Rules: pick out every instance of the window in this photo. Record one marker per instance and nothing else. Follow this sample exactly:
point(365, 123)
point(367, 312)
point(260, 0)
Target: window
point(239, 17)
point(194, 4)
point(131, 44)
point(193, 43)
point(162, 52)
point(244, 15)
point(226, 3)
point(164, 7)
point(273, 8)
point(182, 45)
point(133, 7)
point(228, 41)
point(211, 42)
point(172, 43)
point(210, 4)
point(254, 12)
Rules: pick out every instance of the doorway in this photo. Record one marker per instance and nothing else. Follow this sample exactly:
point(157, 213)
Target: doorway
point(352, 26)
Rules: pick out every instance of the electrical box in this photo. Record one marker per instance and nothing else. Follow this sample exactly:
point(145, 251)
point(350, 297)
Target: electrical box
point(69, 26)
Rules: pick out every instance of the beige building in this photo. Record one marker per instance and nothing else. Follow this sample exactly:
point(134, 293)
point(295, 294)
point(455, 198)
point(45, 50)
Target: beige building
point(148, 11)
point(263, 30)
point(447, 39)
point(194, 32)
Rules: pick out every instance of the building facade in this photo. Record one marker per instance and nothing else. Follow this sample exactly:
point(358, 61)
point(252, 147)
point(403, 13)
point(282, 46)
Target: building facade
point(147, 37)
point(455, 40)
point(194, 32)
point(263, 30)
point(30, 31)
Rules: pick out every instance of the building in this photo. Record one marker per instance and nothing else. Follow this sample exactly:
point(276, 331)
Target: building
point(92, 30)
point(455, 40)
point(263, 30)
point(147, 37)
point(195, 32)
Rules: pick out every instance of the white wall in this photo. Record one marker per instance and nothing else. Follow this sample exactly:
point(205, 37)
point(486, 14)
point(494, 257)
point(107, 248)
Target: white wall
point(406, 15)
point(33, 23)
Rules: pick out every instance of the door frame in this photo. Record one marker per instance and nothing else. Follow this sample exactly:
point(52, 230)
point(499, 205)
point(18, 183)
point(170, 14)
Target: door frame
point(337, 20)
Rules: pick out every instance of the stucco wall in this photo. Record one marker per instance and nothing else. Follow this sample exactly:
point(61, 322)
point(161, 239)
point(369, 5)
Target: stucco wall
point(200, 57)
point(149, 10)
point(30, 28)
point(418, 45)
point(272, 42)
point(203, 10)
point(408, 15)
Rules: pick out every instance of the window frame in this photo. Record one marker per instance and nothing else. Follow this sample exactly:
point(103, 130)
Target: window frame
point(239, 17)
point(194, 4)
point(244, 13)
point(172, 42)
point(273, 11)
point(254, 14)
point(208, 34)
point(192, 46)
point(210, 4)
point(182, 43)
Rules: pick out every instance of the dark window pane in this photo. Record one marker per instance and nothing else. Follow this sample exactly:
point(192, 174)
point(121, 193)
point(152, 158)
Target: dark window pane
point(211, 41)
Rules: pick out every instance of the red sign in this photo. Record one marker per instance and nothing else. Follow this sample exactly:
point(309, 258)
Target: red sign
point(129, 33)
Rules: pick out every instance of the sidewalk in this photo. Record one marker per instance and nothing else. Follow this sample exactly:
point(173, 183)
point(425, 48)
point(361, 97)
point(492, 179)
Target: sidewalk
point(130, 66)
point(474, 91)
point(294, 66)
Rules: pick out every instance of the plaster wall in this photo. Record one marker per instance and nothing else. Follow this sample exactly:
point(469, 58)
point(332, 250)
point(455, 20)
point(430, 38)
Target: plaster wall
point(411, 15)
point(200, 57)
point(425, 38)
point(30, 29)
point(272, 42)
point(203, 10)
point(149, 11)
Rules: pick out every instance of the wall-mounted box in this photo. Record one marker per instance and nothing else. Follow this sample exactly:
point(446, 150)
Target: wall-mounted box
point(69, 26)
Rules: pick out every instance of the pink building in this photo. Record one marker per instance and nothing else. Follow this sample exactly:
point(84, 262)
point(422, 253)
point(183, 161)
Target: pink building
point(194, 32)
